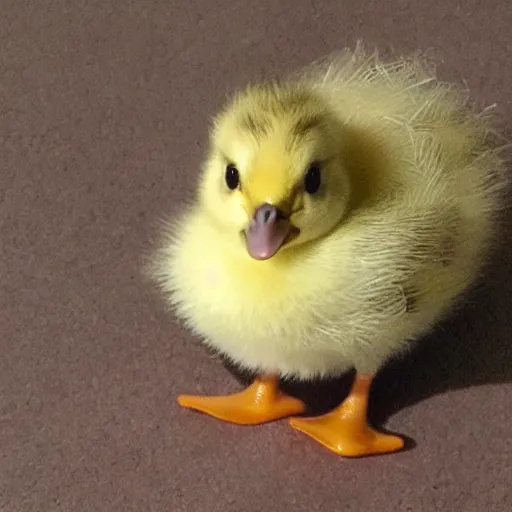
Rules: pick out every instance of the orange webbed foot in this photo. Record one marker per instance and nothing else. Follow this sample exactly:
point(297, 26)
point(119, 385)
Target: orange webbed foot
point(345, 436)
point(261, 402)
point(345, 430)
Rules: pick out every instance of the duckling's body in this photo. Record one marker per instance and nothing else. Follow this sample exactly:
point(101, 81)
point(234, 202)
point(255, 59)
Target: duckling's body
point(405, 232)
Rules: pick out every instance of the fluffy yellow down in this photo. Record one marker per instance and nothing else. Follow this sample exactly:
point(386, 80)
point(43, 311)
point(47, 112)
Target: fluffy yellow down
point(402, 228)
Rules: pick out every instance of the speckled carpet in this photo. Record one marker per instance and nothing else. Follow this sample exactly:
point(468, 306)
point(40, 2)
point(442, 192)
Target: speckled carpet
point(104, 108)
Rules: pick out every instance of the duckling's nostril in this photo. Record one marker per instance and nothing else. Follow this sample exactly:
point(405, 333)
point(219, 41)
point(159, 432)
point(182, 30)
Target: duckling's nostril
point(265, 214)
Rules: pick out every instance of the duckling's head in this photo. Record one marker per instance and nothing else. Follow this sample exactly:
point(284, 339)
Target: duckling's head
point(275, 174)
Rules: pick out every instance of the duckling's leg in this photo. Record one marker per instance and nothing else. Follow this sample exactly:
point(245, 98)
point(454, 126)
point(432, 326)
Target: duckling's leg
point(261, 402)
point(345, 430)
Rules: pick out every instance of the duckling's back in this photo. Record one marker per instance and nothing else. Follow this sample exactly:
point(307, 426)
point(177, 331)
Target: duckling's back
point(412, 138)
point(429, 185)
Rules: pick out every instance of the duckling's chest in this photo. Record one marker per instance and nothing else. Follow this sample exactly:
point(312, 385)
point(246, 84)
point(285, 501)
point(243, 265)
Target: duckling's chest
point(224, 297)
point(241, 305)
point(285, 320)
point(249, 293)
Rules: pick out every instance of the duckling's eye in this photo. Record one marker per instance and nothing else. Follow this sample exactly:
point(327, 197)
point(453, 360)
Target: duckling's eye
point(313, 179)
point(232, 177)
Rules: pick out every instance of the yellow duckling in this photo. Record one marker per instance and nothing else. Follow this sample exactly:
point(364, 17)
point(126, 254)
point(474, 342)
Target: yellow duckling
point(340, 214)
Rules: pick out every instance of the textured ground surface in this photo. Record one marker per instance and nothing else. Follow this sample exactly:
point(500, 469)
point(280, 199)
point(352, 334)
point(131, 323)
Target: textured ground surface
point(103, 116)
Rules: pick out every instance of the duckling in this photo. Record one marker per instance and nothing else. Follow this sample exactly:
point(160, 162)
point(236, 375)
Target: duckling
point(339, 215)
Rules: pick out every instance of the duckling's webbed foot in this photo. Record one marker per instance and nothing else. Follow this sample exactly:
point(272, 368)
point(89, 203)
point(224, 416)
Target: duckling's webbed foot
point(261, 402)
point(345, 430)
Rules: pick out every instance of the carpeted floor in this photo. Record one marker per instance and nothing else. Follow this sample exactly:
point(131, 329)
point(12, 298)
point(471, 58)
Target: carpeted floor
point(104, 108)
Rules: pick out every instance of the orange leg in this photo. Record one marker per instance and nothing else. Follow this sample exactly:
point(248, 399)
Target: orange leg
point(345, 430)
point(261, 402)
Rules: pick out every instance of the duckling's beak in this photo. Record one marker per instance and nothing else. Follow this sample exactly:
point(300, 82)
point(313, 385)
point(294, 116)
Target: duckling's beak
point(267, 232)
